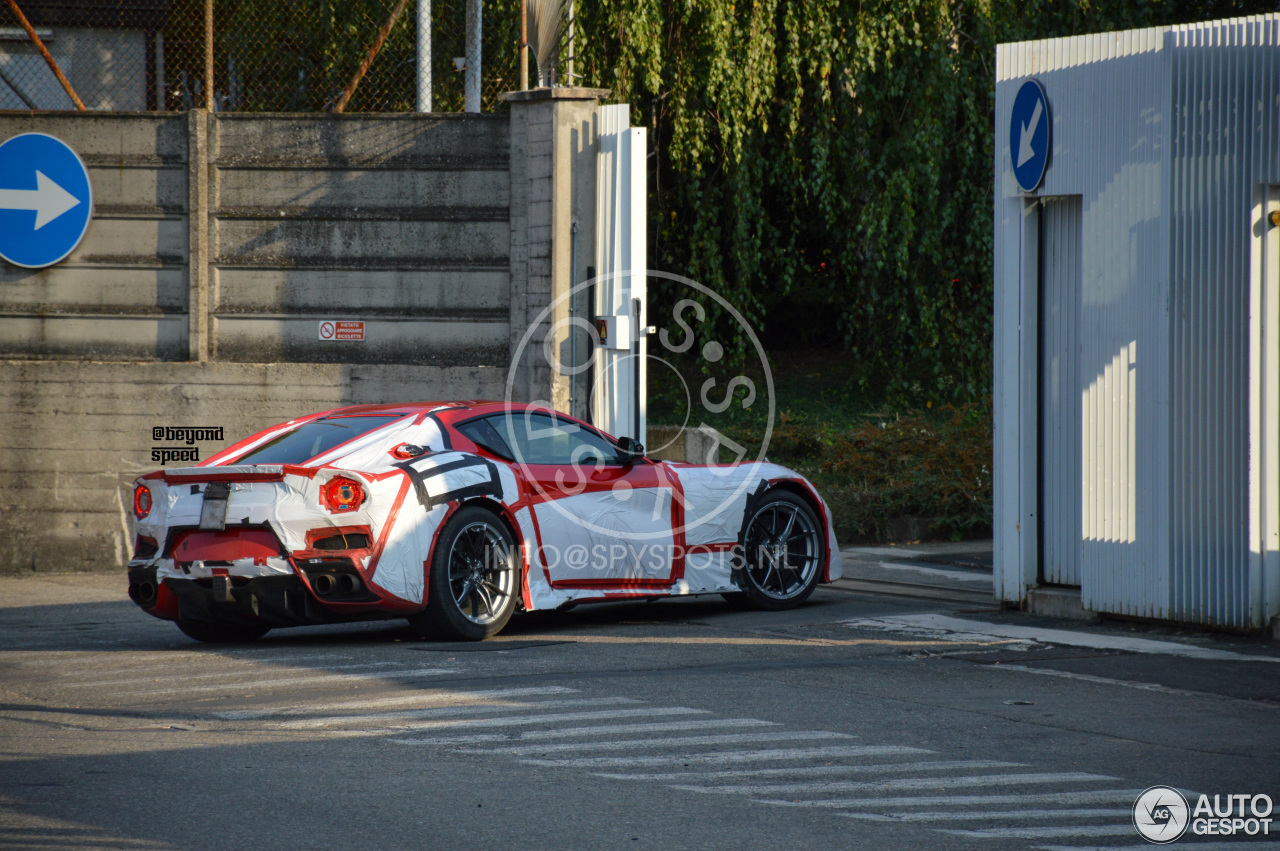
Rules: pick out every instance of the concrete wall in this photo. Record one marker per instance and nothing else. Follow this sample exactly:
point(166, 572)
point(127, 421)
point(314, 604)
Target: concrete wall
point(219, 244)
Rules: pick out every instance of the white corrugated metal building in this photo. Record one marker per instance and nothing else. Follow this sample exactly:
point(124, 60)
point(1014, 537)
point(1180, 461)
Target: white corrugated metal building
point(1137, 323)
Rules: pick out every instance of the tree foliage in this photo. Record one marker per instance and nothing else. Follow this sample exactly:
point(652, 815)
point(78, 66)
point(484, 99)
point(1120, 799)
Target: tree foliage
point(830, 161)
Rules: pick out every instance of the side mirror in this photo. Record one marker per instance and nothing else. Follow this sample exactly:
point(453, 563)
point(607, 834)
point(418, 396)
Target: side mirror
point(630, 450)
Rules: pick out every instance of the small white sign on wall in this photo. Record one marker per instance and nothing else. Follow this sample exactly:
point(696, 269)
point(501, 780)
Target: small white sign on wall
point(342, 329)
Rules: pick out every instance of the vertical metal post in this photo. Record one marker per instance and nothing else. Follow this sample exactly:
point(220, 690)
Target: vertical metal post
point(573, 319)
point(208, 55)
point(424, 55)
point(471, 81)
point(568, 77)
point(524, 45)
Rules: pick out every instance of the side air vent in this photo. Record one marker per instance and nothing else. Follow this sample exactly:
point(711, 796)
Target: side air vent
point(348, 541)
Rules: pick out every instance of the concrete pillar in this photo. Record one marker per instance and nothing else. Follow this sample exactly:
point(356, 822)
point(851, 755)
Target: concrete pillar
point(198, 235)
point(553, 176)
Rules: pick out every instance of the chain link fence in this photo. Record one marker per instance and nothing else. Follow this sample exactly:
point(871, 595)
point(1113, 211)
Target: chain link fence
point(268, 55)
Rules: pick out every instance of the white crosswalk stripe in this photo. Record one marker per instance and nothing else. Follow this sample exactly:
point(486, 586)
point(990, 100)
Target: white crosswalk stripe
point(730, 757)
point(428, 698)
point(1065, 798)
point(572, 732)
point(153, 676)
point(818, 770)
point(546, 718)
point(1250, 845)
point(278, 681)
point(982, 815)
point(1029, 779)
point(667, 742)
point(469, 709)
point(1047, 832)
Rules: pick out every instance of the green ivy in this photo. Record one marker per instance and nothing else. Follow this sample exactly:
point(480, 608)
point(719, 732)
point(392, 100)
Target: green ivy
point(837, 155)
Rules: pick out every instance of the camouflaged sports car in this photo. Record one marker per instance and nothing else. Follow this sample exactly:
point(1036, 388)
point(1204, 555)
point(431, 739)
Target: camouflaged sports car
point(453, 515)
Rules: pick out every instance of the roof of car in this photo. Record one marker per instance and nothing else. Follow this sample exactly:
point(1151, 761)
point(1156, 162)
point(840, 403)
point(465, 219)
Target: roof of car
point(409, 407)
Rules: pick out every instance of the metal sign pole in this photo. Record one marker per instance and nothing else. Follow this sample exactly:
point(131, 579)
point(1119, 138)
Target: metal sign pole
point(424, 55)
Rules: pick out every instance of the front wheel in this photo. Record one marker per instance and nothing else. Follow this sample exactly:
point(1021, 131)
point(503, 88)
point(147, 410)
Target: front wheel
point(783, 549)
point(474, 579)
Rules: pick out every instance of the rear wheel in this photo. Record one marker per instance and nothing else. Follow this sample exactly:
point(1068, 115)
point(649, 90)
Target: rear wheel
point(783, 549)
point(218, 633)
point(474, 579)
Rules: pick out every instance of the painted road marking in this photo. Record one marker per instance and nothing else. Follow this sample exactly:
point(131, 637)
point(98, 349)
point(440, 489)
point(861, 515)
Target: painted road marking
point(572, 732)
point(1046, 832)
point(819, 770)
point(730, 757)
point(244, 684)
point(461, 709)
point(151, 680)
point(906, 783)
point(1084, 797)
point(547, 718)
point(1007, 815)
point(417, 698)
point(678, 742)
point(940, 626)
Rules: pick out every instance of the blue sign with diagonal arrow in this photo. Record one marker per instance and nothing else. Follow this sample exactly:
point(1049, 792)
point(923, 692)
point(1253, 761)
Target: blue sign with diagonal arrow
point(1029, 135)
point(46, 200)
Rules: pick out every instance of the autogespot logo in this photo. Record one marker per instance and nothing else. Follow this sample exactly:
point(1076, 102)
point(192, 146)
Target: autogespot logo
point(1161, 814)
point(689, 335)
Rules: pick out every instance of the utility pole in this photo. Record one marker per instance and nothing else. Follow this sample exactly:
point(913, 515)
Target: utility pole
point(471, 77)
point(424, 55)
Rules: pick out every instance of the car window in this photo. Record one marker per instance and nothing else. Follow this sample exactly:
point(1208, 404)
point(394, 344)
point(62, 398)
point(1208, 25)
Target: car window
point(482, 433)
point(314, 438)
point(537, 438)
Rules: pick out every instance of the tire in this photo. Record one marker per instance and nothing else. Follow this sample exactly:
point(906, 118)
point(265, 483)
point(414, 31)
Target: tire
point(217, 633)
point(474, 579)
point(783, 550)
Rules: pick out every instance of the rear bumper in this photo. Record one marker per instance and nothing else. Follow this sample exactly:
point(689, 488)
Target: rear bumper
point(265, 600)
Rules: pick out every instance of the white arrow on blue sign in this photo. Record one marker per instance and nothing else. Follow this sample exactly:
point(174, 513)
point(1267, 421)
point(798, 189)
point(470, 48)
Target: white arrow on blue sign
point(46, 200)
point(1029, 135)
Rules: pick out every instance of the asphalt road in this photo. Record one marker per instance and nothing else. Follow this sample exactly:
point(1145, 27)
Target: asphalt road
point(850, 723)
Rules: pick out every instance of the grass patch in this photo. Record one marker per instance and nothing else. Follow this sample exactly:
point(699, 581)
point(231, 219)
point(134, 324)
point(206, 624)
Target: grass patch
point(873, 462)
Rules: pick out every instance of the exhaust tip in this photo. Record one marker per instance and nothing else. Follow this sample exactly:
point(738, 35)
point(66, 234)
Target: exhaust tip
point(348, 583)
point(324, 584)
point(146, 593)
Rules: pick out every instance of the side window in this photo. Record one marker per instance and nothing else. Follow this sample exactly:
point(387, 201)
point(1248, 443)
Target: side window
point(537, 438)
point(482, 434)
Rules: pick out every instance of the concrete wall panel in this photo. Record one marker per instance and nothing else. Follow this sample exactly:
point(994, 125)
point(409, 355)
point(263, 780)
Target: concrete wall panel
point(365, 188)
point(98, 337)
point(329, 141)
point(66, 288)
point(73, 435)
point(262, 339)
point(332, 241)
point(439, 290)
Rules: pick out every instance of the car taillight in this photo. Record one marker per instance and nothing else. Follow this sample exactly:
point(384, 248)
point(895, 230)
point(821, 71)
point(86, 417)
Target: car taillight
point(141, 501)
point(342, 494)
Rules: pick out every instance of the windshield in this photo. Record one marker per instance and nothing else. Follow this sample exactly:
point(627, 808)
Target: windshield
point(314, 438)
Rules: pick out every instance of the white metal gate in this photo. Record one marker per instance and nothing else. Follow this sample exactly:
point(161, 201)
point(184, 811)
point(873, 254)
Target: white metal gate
point(1060, 391)
point(618, 394)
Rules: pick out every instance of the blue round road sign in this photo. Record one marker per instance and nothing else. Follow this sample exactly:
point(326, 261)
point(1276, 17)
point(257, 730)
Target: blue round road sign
point(45, 200)
point(1029, 135)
